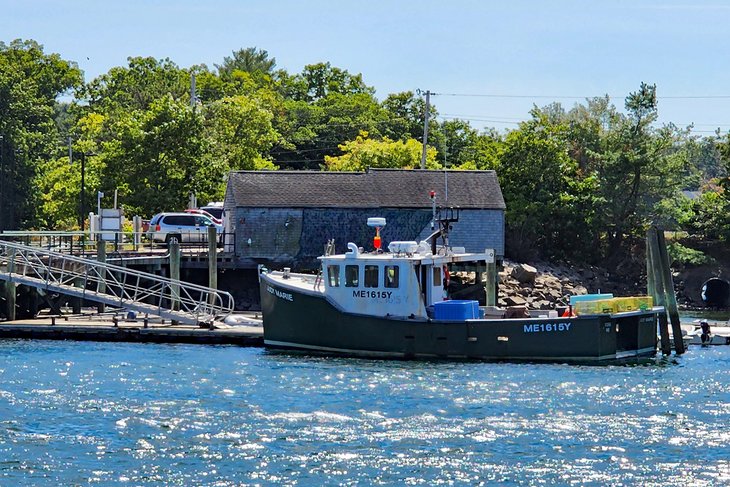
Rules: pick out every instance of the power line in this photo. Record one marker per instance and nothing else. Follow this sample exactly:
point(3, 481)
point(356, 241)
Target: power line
point(575, 97)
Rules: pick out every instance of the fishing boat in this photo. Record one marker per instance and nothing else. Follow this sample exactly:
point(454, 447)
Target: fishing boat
point(394, 304)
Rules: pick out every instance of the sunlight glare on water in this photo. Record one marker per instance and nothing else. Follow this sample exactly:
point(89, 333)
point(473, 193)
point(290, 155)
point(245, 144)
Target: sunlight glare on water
point(91, 413)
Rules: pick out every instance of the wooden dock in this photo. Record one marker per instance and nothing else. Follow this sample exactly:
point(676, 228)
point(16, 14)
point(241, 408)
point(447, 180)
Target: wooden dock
point(247, 332)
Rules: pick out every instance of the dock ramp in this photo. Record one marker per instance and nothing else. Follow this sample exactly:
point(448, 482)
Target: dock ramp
point(113, 285)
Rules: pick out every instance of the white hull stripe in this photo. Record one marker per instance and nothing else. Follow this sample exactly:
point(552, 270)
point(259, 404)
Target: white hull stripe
point(372, 353)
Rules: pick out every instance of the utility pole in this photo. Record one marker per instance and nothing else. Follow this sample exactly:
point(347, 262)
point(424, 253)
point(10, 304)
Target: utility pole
point(193, 96)
point(82, 207)
point(425, 129)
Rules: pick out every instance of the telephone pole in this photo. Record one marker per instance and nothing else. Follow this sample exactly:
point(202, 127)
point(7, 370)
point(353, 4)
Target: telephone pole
point(425, 129)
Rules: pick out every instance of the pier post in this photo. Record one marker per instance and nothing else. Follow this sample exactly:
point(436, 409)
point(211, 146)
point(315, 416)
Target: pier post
point(174, 249)
point(212, 262)
point(77, 302)
point(655, 274)
point(10, 288)
point(669, 296)
point(101, 257)
point(655, 286)
point(491, 285)
point(33, 300)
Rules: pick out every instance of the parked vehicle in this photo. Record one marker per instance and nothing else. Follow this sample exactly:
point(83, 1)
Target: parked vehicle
point(215, 208)
point(200, 211)
point(181, 227)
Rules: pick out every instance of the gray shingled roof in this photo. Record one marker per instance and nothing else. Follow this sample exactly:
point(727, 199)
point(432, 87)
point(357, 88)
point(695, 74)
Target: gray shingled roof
point(375, 188)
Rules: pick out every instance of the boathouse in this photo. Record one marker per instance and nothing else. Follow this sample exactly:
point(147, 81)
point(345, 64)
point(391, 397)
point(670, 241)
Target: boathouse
point(285, 218)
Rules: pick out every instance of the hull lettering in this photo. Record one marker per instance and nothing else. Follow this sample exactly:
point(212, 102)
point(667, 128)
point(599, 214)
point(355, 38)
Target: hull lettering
point(372, 294)
point(280, 294)
point(546, 327)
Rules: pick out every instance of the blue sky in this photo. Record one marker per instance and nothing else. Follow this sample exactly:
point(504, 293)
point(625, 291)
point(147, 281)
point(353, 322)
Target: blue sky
point(519, 52)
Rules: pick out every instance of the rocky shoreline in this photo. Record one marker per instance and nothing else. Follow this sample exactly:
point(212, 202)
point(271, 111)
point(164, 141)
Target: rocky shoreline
point(542, 285)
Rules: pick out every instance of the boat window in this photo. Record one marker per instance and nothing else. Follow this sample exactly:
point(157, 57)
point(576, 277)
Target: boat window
point(352, 275)
point(436, 276)
point(333, 272)
point(391, 276)
point(371, 276)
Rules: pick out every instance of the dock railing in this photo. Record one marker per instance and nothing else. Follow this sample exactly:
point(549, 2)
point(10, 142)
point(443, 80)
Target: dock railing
point(111, 284)
point(82, 243)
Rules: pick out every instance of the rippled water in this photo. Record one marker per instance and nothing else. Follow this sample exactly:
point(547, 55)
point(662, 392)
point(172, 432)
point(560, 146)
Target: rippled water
point(92, 413)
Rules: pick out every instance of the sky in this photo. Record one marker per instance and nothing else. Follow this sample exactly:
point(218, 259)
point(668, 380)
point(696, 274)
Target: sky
point(487, 61)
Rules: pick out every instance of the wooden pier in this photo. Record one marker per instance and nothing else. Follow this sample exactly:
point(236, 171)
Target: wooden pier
point(248, 332)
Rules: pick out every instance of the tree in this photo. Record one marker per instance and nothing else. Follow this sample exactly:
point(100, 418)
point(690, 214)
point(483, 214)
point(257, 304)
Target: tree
point(136, 87)
point(30, 82)
point(319, 80)
point(363, 152)
point(405, 114)
point(250, 60)
point(241, 133)
point(158, 158)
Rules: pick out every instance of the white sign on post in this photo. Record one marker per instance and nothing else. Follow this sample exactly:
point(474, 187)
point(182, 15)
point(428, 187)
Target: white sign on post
point(111, 223)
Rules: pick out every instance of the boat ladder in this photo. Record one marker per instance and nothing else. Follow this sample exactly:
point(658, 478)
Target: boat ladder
point(113, 285)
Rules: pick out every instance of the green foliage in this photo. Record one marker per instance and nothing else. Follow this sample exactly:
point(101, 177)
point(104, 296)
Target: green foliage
point(30, 81)
point(250, 60)
point(364, 152)
point(679, 254)
point(549, 201)
point(240, 131)
point(582, 183)
point(157, 158)
point(137, 86)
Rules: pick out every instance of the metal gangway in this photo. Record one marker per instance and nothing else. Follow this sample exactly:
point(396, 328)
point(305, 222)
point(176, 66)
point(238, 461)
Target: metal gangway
point(113, 285)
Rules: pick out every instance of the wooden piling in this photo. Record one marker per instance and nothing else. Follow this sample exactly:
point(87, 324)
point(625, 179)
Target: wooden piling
point(77, 302)
point(655, 287)
point(33, 301)
point(174, 249)
point(212, 261)
point(669, 295)
point(101, 257)
point(10, 288)
point(491, 284)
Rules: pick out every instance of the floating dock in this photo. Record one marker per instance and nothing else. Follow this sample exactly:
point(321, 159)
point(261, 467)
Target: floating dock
point(246, 332)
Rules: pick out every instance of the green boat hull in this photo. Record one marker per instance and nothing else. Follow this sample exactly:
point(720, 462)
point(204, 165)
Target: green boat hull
point(308, 322)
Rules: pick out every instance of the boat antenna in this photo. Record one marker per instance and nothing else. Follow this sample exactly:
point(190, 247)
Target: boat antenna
point(432, 195)
point(446, 216)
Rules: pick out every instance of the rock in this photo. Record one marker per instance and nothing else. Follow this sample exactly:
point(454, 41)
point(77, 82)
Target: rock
point(524, 273)
point(515, 301)
point(580, 290)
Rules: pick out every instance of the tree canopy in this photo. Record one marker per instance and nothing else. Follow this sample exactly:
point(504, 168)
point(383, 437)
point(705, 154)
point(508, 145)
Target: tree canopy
point(583, 182)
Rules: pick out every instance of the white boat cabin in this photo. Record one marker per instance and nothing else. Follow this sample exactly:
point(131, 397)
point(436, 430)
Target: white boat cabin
point(402, 282)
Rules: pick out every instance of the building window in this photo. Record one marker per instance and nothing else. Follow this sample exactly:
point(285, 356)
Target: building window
point(333, 272)
point(352, 275)
point(436, 276)
point(391, 276)
point(371, 276)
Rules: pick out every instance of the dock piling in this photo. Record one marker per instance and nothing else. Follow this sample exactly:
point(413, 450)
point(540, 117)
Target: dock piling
point(212, 262)
point(10, 288)
point(174, 249)
point(491, 284)
point(670, 297)
point(661, 275)
point(101, 257)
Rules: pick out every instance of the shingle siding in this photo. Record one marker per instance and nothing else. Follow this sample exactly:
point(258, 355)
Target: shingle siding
point(289, 217)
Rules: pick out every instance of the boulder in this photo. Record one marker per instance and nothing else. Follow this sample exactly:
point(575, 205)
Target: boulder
point(515, 301)
point(524, 273)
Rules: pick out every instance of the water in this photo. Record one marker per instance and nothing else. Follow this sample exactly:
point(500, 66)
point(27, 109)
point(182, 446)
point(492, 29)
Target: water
point(76, 413)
